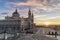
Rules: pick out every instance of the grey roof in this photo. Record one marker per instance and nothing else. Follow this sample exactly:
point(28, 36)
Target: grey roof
point(9, 22)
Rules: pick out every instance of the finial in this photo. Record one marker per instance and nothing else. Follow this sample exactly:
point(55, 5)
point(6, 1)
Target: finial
point(15, 10)
point(29, 10)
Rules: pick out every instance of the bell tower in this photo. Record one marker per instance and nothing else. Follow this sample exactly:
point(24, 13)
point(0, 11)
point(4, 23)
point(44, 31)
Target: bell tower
point(29, 14)
point(30, 20)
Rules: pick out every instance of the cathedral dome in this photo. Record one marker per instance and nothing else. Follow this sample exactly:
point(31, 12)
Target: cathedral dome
point(15, 14)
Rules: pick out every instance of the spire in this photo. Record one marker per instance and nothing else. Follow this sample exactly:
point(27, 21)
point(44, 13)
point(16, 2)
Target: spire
point(29, 13)
point(29, 10)
point(15, 10)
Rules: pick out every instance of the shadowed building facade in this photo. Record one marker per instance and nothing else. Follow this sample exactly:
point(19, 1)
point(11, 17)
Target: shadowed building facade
point(15, 24)
point(25, 23)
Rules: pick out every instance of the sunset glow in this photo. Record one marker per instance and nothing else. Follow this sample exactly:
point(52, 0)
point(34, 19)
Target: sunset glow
point(43, 10)
point(47, 23)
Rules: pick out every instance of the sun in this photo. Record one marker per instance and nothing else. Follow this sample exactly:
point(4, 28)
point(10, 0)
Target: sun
point(47, 23)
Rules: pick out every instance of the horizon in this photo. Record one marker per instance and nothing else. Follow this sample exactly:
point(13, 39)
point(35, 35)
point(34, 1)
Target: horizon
point(45, 12)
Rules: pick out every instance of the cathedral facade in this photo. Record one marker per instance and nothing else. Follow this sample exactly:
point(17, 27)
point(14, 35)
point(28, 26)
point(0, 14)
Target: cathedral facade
point(16, 24)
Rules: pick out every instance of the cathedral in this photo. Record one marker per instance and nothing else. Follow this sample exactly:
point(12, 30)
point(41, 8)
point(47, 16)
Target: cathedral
point(15, 24)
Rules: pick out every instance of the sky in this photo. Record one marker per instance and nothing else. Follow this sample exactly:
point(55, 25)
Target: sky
point(43, 10)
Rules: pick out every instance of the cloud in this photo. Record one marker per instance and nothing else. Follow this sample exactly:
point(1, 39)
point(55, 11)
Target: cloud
point(46, 18)
point(37, 6)
point(47, 5)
